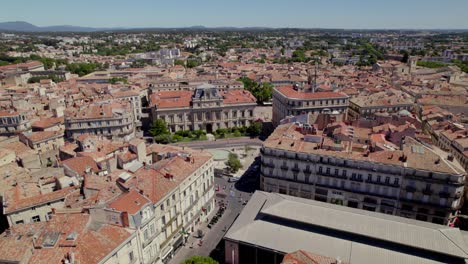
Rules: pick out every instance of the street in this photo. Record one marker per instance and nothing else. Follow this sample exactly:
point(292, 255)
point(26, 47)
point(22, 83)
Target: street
point(222, 143)
point(211, 245)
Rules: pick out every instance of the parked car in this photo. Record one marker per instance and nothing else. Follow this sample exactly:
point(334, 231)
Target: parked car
point(233, 179)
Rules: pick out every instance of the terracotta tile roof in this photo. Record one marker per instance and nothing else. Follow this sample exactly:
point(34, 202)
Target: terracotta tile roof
point(18, 198)
point(98, 111)
point(44, 123)
point(419, 156)
point(16, 244)
point(237, 96)
point(304, 257)
point(80, 164)
point(159, 179)
point(171, 99)
point(130, 202)
point(90, 245)
point(42, 135)
point(288, 91)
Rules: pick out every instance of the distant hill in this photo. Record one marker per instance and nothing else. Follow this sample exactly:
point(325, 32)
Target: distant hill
point(22, 26)
point(28, 27)
point(18, 26)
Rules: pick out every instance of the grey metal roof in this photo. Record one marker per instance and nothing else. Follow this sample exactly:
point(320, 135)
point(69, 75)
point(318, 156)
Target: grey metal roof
point(286, 224)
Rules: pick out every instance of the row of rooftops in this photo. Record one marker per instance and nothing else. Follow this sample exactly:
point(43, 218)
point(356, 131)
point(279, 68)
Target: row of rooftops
point(416, 155)
point(184, 98)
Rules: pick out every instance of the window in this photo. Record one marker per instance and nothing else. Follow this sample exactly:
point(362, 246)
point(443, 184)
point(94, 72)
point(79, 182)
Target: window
point(130, 256)
point(19, 222)
point(369, 177)
point(163, 219)
point(162, 207)
point(425, 198)
point(387, 180)
point(379, 178)
point(344, 173)
point(36, 218)
point(395, 181)
point(145, 234)
point(409, 195)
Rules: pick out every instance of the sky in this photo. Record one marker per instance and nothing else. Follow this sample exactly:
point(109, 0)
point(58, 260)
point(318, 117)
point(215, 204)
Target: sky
point(349, 14)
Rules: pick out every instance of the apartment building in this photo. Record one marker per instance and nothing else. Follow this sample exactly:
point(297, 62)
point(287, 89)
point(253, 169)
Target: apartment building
point(175, 85)
point(43, 141)
point(205, 108)
point(13, 122)
point(295, 100)
point(455, 141)
point(164, 201)
point(130, 96)
point(70, 236)
point(388, 102)
point(34, 201)
point(417, 181)
point(108, 119)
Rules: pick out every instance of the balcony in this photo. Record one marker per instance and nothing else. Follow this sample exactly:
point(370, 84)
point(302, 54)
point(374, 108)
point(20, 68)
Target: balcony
point(410, 188)
point(283, 167)
point(296, 169)
point(427, 191)
point(268, 165)
point(444, 194)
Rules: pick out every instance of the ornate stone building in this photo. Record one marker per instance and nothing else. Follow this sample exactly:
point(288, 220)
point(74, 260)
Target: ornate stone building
point(295, 100)
point(108, 119)
point(415, 181)
point(205, 108)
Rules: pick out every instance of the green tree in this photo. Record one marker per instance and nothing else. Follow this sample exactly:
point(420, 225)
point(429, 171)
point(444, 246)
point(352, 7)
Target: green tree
point(262, 93)
point(255, 129)
point(233, 162)
point(163, 138)
point(200, 260)
point(405, 56)
point(192, 63)
point(179, 62)
point(158, 128)
point(115, 80)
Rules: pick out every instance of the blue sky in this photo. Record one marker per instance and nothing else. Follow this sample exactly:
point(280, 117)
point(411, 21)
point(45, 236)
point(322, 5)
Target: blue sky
point(273, 13)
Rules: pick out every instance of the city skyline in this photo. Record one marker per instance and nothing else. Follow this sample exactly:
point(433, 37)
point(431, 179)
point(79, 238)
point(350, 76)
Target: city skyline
point(296, 14)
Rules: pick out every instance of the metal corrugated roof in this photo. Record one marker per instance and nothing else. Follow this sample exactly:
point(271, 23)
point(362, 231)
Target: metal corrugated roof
point(329, 222)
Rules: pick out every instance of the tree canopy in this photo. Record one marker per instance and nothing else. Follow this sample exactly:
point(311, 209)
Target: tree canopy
point(159, 127)
point(200, 260)
point(255, 129)
point(263, 92)
point(233, 163)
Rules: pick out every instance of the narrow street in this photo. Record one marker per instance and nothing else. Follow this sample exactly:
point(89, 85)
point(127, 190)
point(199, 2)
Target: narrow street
point(236, 194)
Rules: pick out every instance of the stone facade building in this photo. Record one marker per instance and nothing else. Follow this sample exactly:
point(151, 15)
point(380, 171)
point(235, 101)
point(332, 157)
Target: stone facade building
point(205, 108)
point(108, 119)
point(415, 182)
point(13, 122)
point(294, 100)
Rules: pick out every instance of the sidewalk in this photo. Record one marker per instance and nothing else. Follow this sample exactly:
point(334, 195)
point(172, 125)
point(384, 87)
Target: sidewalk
point(211, 238)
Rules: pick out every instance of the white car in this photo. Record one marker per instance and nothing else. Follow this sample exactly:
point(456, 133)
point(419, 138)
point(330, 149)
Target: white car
point(233, 179)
